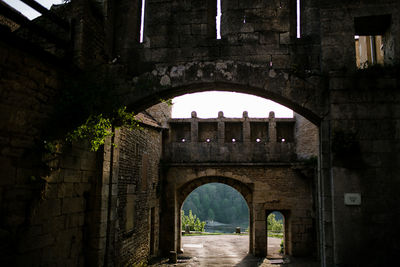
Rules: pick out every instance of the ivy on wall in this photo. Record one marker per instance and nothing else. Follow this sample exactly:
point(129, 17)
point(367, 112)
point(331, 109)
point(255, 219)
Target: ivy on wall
point(87, 108)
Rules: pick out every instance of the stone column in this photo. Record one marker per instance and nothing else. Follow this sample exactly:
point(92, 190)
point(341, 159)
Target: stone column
point(194, 128)
point(246, 128)
point(260, 232)
point(221, 128)
point(272, 128)
point(168, 221)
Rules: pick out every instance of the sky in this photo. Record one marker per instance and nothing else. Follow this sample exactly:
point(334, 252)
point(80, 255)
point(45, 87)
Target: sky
point(208, 104)
point(29, 12)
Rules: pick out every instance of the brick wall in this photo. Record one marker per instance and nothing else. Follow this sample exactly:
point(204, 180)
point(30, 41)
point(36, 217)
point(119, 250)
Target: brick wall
point(138, 193)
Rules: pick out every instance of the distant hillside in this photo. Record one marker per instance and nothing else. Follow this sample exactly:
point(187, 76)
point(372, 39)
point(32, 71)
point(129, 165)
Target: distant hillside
point(217, 202)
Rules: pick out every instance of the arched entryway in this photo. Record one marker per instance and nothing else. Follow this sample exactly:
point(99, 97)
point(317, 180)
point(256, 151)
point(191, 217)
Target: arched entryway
point(224, 214)
point(175, 193)
point(184, 191)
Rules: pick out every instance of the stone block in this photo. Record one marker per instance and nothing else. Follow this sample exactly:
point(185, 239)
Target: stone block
point(246, 28)
point(71, 205)
point(251, 38)
point(89, 163)
point(75, 220)
point(71, 175)
point(65, 190)
point(48, 208)
point(70, 162)
point(284, 38)
point(36, 242)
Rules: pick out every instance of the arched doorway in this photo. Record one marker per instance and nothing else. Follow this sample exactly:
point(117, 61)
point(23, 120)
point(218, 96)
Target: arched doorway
point(278, 237)
point(184, 191)
point(176, 188)
point(224, 213)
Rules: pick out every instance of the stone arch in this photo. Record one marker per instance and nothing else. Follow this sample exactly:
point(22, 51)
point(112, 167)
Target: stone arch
point(186, 189)
point(301, 94)
point(244, 189)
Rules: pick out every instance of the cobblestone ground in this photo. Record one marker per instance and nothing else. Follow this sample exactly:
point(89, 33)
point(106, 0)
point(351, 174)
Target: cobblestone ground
point(228, 250)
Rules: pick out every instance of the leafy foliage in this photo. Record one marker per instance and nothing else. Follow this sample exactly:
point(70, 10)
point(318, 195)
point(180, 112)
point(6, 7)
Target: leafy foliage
point(273, 224)
point(192, 221)
point(97, 127)
point(88, 108)
point(218, 202)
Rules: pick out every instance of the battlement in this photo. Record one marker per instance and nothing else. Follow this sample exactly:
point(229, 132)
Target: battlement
point(223, 139)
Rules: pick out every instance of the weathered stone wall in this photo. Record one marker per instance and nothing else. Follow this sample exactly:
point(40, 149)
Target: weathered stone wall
point(315, 76)
point(288, 191)
point(161, 113)
point(139, 153)
point(45, 209)
point(230, 140)
point(241, 140)
point(306, 136)
point(363, 134)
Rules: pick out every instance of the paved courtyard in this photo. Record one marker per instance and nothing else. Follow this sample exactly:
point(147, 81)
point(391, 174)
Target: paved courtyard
point(230, 250)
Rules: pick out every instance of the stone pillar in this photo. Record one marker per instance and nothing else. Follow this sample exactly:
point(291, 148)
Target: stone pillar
point(168, 222)
point(260, 230)
point(194, 128)
point(221, 128)
point(272, 128)
point(246, 128)
point(251, 228)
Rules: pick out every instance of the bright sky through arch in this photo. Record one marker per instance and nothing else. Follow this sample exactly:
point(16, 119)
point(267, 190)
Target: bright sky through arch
point(208, 104)
point(28, 11)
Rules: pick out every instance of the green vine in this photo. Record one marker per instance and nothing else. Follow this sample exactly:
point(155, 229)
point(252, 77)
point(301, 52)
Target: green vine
point(98, 127)
point(88, 109)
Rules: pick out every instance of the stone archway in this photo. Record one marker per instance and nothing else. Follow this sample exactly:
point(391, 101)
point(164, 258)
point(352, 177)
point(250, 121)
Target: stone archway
point(265, 187)
point(166, 81)
point(175, 192)
point(244, 189)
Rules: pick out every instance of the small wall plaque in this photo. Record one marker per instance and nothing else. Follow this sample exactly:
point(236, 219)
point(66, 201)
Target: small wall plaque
point(352, 199)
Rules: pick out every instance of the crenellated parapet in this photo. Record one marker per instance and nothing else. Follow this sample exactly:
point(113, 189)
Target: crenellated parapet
point(221, 139)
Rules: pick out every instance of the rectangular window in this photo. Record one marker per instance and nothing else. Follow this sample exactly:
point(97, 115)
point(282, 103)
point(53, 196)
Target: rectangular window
point(142, 21)
point(371, 38)
point(208, 132)
point(298, 35)
point(233, 132)
point(285, 132)
point(180, 132)
point(218, 19)
point(369, 50)
point(259, 131)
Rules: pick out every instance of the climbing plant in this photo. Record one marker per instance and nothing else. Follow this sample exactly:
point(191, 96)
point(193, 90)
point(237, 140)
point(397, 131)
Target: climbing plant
point(88, 109)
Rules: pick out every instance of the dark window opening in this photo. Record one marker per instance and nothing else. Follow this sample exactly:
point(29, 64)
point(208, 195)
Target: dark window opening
point(218, 19)
point(233, 132)
point(143, 12)
point(372, 40)
point(298, 29)
point(285, 132)
point(180, 132)
point(258, 131)
point(208, 131)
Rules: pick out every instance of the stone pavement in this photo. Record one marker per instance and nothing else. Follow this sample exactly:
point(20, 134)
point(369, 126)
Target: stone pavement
point(228, 250)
